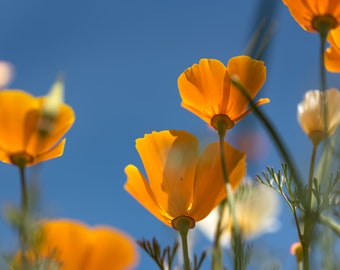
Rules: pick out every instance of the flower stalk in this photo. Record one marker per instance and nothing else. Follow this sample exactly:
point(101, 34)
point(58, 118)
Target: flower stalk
point(183, 224)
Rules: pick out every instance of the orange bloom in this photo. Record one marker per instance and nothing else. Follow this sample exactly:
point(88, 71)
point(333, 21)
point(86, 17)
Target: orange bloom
point(181, 182)
point(332, 54)
point(315, 15)
point(75, 246)
point(206, 90)
point(21, 140)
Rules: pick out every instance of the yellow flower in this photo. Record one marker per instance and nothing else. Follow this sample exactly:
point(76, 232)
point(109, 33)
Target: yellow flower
point(181, 182)
point(75, 246)
point(21, 142)
point(332, 54)
point(206, 90)
point(256, 207)
point(311, 113)
point(315, 15)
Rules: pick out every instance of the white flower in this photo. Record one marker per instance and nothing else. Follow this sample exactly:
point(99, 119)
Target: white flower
point(312, 113)
point(256, 207)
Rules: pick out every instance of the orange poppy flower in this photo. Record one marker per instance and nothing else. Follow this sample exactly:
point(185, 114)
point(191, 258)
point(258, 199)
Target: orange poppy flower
point(311, 15)
point(181, 182)
point(21, 141)
point(332, 54)
point(206, 90)
point(75, 246)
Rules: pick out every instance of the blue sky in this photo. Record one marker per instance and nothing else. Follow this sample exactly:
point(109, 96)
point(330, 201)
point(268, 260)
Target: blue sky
point(121, 60)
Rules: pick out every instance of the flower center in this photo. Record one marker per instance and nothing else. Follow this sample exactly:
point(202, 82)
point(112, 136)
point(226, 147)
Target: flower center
point(21, 159)
point(324, 23)
point(221, 122)
point(183, 220)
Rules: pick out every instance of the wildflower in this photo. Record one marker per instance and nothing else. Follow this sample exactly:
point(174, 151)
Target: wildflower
point(73, 245)
point(311, 114)
point(181, 182)
point(332, 54)
point(296, 250)
point(315, 15)
point(21, 142)
point(206, 90)
point(256, 209)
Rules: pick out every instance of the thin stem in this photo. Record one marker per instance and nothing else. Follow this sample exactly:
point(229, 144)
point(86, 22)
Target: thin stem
point(217, 256)
point(323, 36)
point(309, 222)
point(183, 224)
point(330, 223)
point(23, 217)
point(24, 199)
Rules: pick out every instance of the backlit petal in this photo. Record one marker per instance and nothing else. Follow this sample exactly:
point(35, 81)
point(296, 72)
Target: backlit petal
point(39, 144)
point(252, 75)
point(139, 188)
point(332, 54)
point(169, 159)
point(204, 86)
point(16, 109)
point(54, 152)
point(209, 177)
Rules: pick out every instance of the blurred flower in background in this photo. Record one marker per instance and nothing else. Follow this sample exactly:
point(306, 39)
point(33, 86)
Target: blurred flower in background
point(21, 142)
point(72, 245)
point(6, 73)
point(256, 207)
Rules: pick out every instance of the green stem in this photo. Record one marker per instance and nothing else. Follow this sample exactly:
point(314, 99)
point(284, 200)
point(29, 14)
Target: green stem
point(329, 222)
point(24, 199)
point(309, 221)
point(183, 227)
point(23, 215)
point(323, 37)
point(217, 255)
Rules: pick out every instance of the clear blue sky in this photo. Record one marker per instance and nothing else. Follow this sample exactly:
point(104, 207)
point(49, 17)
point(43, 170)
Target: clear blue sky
point(121, 60)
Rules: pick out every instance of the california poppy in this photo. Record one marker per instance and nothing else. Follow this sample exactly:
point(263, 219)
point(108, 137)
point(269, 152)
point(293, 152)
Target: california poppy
point(206, 90)
point(313, 15)
point(21, 140)
point(181, 182)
